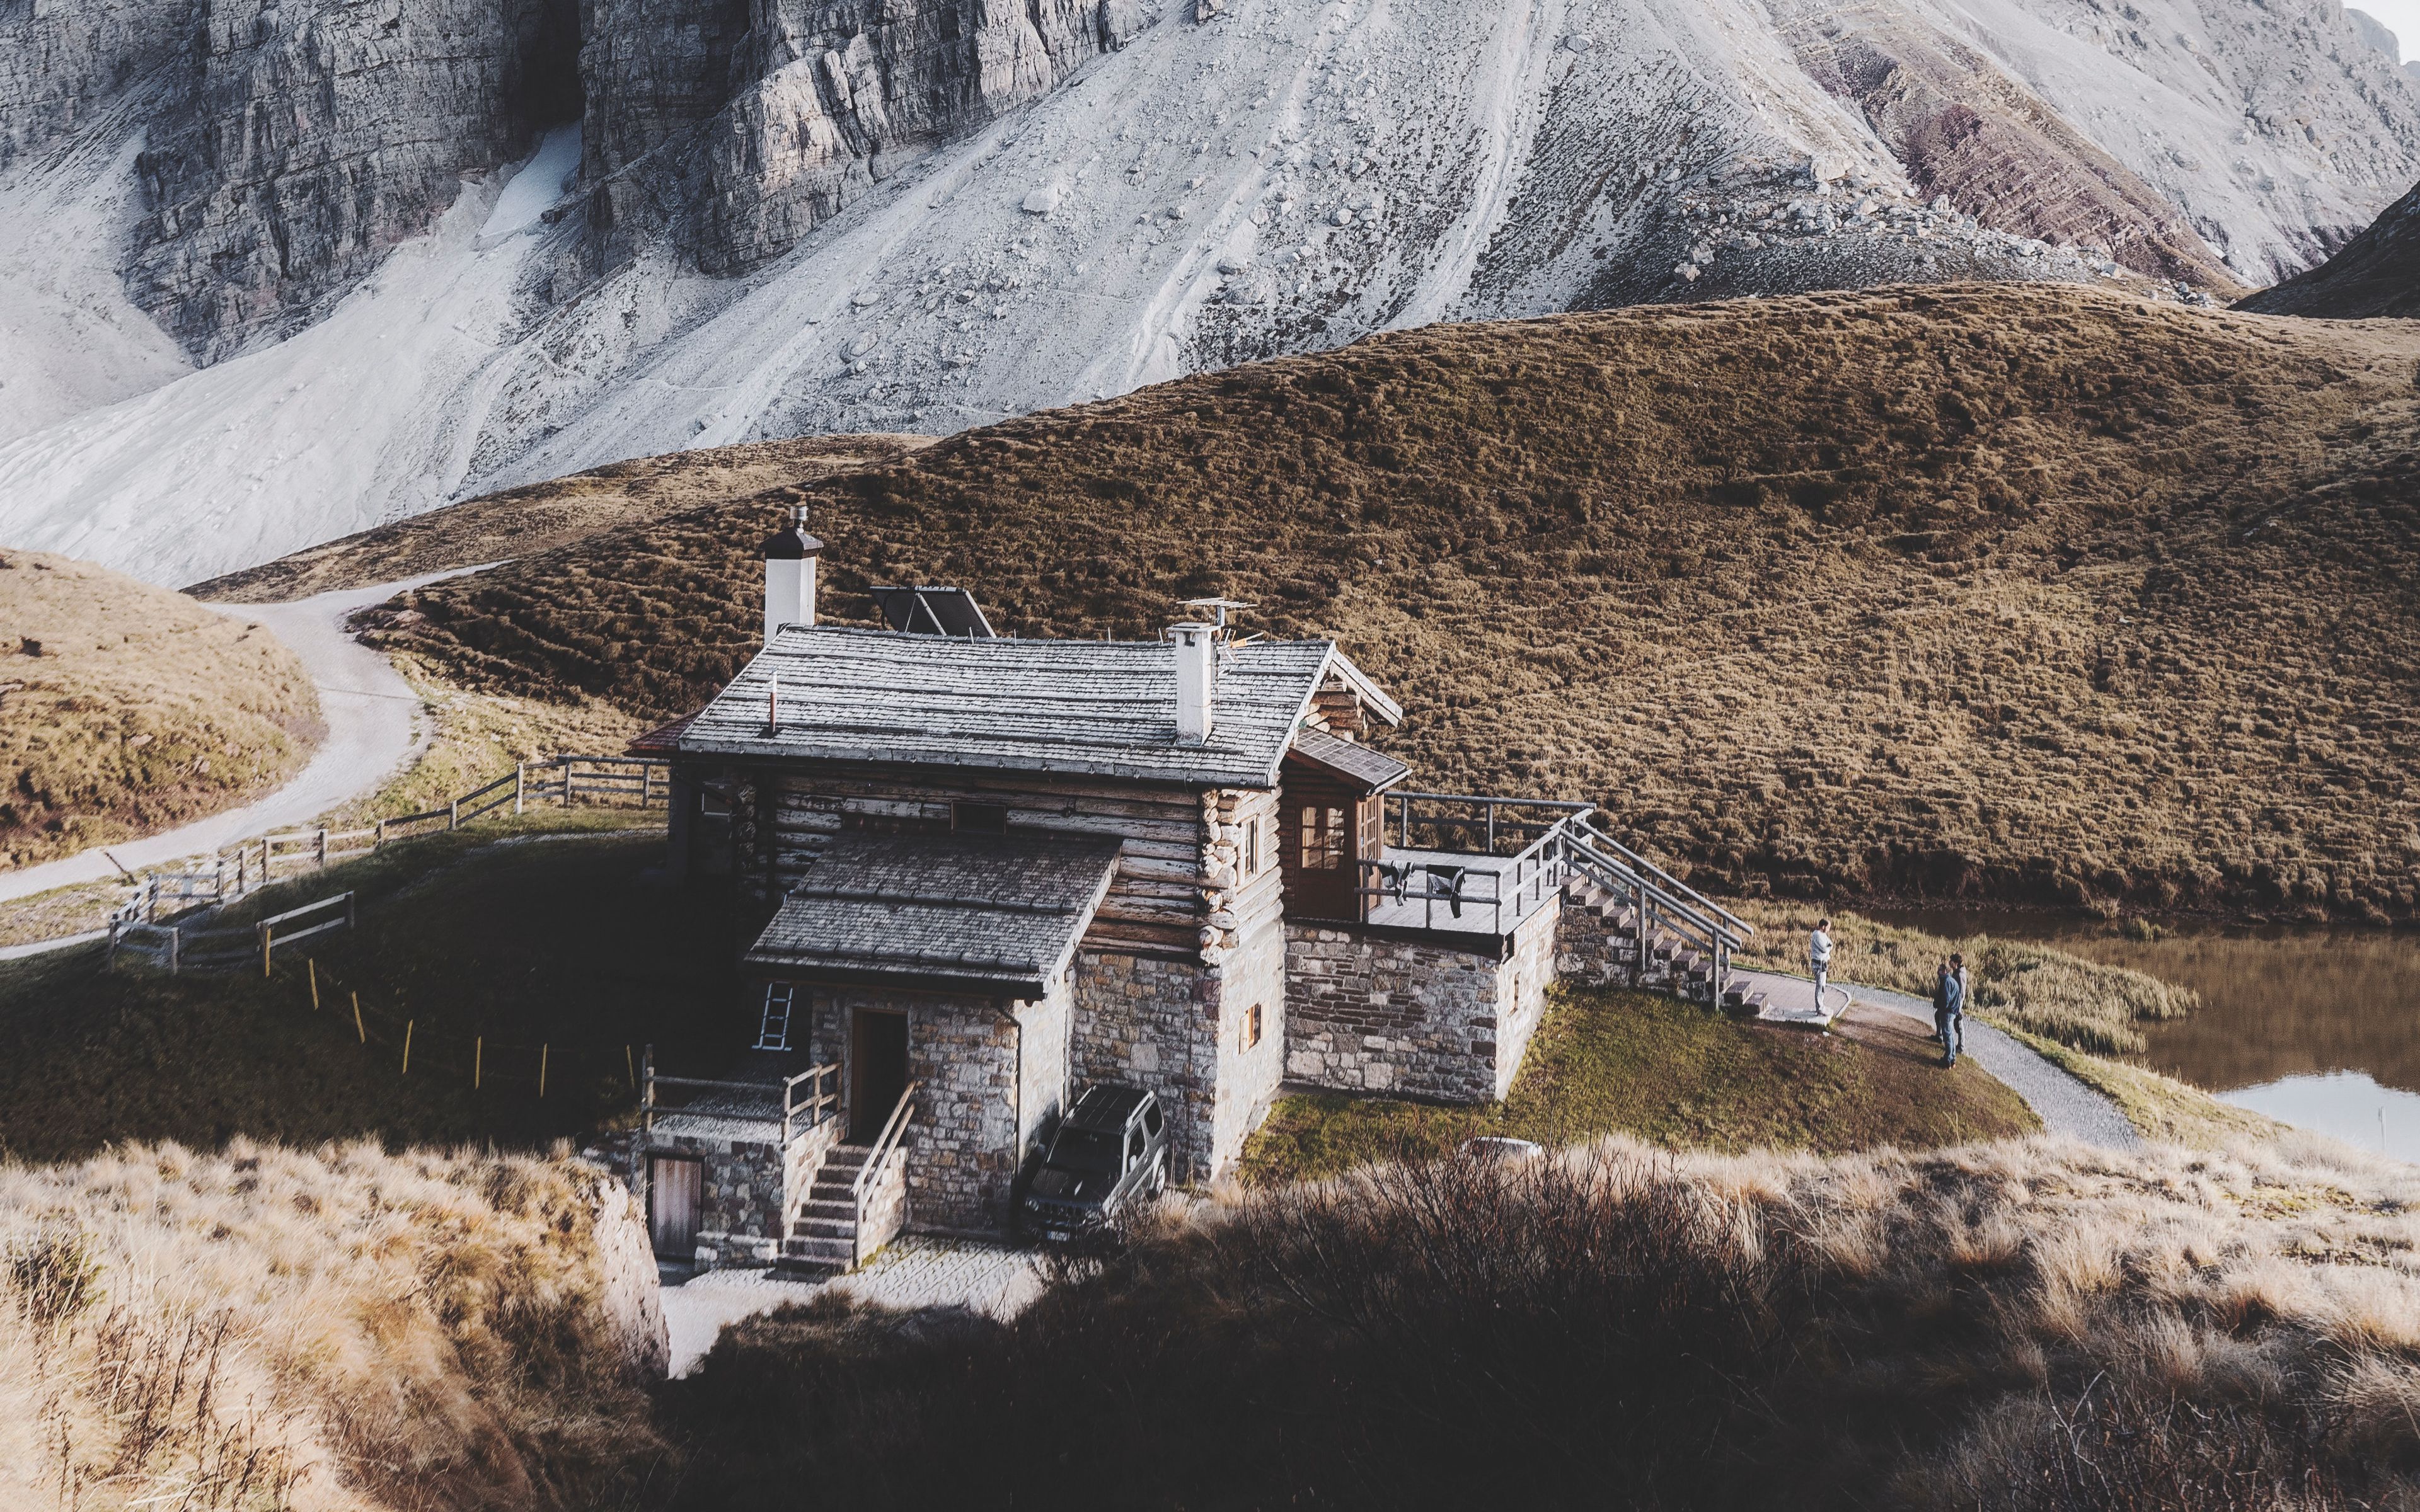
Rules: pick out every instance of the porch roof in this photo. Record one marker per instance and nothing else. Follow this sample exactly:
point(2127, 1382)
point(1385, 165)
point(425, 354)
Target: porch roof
point(993, 914)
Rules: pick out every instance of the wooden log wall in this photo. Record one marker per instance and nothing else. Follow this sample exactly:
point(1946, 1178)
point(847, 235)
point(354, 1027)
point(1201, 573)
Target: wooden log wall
point(1157, 902)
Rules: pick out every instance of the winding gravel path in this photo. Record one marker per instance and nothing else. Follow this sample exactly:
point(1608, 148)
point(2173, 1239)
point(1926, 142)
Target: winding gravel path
point(374, 726)
point(2064, 1104)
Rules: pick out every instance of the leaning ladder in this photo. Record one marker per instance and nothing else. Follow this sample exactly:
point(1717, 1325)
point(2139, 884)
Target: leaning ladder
point(775, 1032)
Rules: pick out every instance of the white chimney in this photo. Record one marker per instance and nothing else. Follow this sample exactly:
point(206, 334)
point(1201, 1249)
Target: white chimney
point(1197, 680)
point(790, 575)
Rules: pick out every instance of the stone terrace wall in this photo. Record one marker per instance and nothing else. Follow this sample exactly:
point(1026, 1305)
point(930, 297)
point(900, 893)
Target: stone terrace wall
point(1367, 1012)
point(742, 1205)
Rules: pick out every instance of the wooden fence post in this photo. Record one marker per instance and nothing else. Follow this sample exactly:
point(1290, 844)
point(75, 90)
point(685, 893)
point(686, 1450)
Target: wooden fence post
point(363, 1033)
point(454, 814)
point(407, 1048)
point(312, 966)
point(478, 1059)
point(647, 1097)
point(174, 935)
point(541, 1070)
point(521, 785)
point(351, 918)
point(265, 935)
point(628, 1070)
point(646, 787)
point(324, 847)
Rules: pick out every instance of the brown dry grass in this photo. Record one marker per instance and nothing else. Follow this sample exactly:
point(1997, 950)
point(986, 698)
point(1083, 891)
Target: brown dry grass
point(2038, 988)
point(2023, 1325)
point(271, 1328)
point(133, 710)
point(2031, 594)
point(540, 517)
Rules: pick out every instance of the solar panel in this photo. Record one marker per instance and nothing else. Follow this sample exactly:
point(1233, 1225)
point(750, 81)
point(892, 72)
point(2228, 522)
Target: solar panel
point(933, 611)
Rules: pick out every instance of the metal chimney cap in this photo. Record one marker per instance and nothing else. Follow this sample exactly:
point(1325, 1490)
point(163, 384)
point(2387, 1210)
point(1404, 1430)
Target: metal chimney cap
point(792, 543)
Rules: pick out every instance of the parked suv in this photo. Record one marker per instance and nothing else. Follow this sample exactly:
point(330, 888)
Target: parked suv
point(1112, 1149)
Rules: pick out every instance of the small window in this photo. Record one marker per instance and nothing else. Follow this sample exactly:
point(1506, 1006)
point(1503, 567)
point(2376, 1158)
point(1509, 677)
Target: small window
point(1251, 1025)
point(1151, 1119)
point(1251, 847)
point(1134, 1146)
point(1322, 839)
point(980, 818)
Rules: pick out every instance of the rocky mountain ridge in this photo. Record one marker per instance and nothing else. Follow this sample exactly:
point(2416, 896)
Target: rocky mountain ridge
point(791, 219)
point(2376, 274)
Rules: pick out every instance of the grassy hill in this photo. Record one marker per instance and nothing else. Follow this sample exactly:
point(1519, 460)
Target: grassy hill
point(338, 1330)
point(126, 709)
point(541, 517)
point(2019, 1327)
point(2032, 594)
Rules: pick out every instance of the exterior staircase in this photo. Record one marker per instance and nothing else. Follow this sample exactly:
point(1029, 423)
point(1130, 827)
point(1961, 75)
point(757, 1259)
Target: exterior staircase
point(1607, 940)
point(823, 1237)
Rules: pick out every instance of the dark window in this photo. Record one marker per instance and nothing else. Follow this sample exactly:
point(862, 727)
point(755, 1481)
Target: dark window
point(1134, 1146)
point(1322, 839)
point(980, 818)
point(1251, 1025)
point(1151, 1117)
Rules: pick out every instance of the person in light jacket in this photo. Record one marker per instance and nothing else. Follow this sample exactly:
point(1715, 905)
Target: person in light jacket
point(1819, 960)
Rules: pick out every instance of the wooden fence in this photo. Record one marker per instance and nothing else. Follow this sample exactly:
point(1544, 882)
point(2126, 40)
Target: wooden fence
point(612, 781)
point(192, 947)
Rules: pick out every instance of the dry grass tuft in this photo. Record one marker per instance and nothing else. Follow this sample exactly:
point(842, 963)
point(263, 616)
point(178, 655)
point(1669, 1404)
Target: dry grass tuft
point(2011, 1327)
point(273, 1328)
point(126, 709)
point(2029, 593)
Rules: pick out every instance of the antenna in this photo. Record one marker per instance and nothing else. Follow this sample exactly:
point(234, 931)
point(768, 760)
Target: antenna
point(1217, 609)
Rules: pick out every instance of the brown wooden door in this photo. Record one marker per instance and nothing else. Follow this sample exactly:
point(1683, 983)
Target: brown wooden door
point(1320, 852)
point(878, 1070)
point(675, 1189)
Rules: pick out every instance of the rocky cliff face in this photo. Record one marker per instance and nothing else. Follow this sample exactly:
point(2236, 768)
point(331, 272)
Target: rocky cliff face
point(805, 215)
point(2376, 274)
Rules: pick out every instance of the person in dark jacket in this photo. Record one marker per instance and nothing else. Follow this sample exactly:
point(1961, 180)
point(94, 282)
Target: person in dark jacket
point(1951, 1013)
point(1939, 996)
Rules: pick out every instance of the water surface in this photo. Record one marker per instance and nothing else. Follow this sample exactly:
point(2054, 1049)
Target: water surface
point(2315, 1027)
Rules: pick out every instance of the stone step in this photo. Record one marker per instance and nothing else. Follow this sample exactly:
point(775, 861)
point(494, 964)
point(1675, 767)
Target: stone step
point(836, 1254)
point(842, 1229)
point(815, 1206)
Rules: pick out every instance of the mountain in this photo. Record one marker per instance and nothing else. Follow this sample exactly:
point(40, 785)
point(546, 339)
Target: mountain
point(2376, 274)
point(2033, 595)
point(272, 274)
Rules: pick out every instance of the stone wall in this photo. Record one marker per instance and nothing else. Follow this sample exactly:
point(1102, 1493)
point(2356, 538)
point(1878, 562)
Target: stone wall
point(1249, 969)
point(743, 1199)
point(1148, 1021)
point(990, 1075)
point(1413, 1015)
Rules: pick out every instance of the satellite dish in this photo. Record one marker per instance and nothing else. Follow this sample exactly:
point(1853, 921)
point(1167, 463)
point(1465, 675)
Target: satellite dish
point(929, 610)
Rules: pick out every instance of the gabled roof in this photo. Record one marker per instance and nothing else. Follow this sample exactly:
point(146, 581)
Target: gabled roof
point(1372, 771)
point(998, 914)
point(1104, 708)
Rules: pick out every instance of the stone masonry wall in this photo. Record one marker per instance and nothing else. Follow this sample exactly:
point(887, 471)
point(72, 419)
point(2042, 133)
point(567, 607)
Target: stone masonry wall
point(1522, 979)
point(1250, 967)
point(741, 1215)
point(1146, 1021)
point(1414, 1017)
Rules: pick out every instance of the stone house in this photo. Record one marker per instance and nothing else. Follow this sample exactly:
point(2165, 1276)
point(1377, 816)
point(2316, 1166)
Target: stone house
point(980, 873)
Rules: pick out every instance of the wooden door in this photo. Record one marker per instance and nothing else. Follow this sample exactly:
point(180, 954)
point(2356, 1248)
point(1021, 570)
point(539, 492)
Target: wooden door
point(878, 1070)
point(1320, 848)
point(675, 1189)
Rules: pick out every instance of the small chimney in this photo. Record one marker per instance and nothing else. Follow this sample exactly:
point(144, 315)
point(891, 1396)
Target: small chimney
point(790, 575)
point(1197, 680)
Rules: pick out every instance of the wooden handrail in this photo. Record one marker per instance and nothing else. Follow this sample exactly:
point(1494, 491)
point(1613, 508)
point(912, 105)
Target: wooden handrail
point(1598, 836)
point(893, 1130)
point(821, 1102)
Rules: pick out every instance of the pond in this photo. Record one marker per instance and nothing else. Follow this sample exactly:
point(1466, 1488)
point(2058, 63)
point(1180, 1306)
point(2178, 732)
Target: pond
point(2315, 1027)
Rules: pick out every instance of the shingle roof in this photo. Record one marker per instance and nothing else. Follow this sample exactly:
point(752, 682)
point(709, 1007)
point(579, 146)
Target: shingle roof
point(1095, 707)
point(996, 914)
point(1375, 770)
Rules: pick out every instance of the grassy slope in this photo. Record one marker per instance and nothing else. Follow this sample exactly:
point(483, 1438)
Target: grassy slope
point(141, 711)
point(544, 941)
point(265, 1328)
point(541, 517)
point(2035, 593)
point(1645, 1065)
point(2017, 1327)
